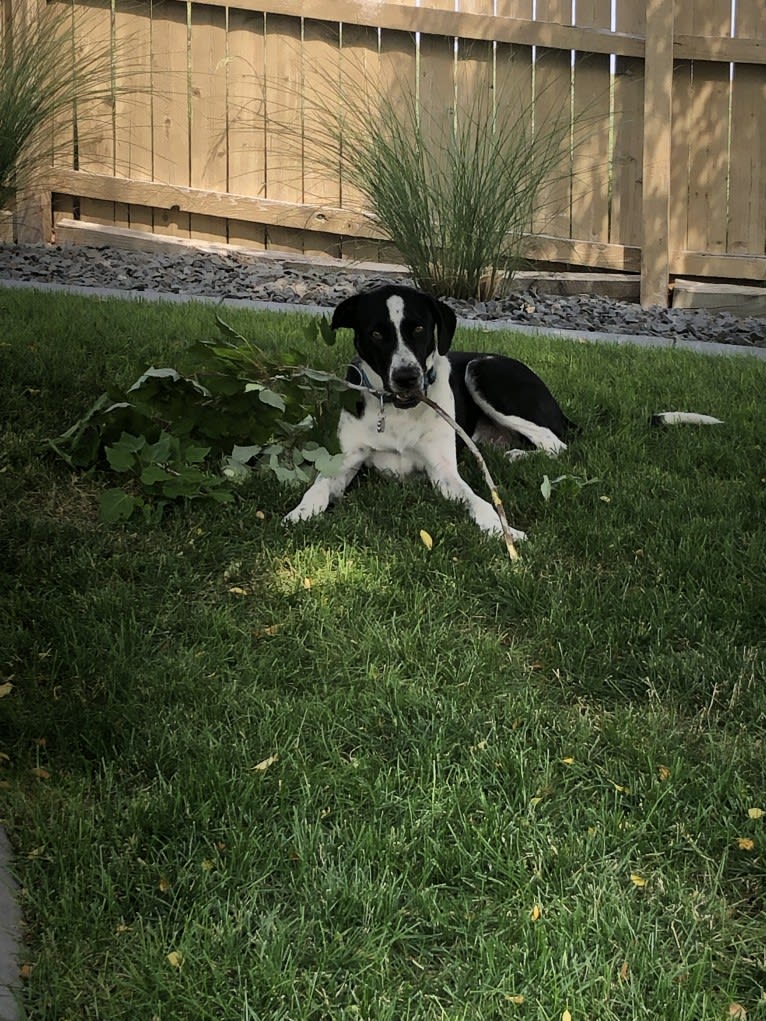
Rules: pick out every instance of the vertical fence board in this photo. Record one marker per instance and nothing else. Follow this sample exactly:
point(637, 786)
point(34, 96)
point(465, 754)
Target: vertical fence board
point(699, 178)
point(32, 220)
point(398, 82)
point(474, 79)
point(593, 14)
point(747, 210)
point(284, 143)
point(170, 117)
point(627, 152)
point(436, 96)
point(246, 125)
point(707, 185)
point(359, 77)
point(359, 70)
point(552, 107)
point(477, 6)
point(591, 130)
point(321, 96)
point(95, 122)
point(655, 251)
point(590, 159)
point(514, 9)
point(133, 105)
point(207, 84)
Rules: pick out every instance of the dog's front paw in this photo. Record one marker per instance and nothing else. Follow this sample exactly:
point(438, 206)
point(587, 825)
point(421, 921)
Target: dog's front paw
point(487, 519)
point(516, 535)
point(300, 513)
point(315, 501)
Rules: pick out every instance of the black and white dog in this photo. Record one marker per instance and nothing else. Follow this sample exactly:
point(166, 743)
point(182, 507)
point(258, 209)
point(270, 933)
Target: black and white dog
point(402, 339)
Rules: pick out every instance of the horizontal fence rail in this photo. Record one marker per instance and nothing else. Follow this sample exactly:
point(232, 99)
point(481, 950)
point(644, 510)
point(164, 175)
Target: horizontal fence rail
point(223, 115)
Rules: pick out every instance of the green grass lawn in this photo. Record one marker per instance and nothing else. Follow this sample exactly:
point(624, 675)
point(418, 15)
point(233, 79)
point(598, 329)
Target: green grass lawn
point(256, 773)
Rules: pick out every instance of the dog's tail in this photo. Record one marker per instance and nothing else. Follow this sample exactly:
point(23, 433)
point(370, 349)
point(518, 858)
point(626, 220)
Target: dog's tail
point(683, 418)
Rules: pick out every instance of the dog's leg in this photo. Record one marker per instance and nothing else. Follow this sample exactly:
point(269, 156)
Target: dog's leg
point(324, 491)
point(447, 480)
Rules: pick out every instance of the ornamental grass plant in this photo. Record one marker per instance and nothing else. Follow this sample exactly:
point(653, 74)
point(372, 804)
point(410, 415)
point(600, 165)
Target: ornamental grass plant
point(41, 83)
point(454, 182)
point(455, 192)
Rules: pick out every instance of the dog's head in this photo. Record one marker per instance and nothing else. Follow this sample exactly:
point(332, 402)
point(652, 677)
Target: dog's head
point(398, 332)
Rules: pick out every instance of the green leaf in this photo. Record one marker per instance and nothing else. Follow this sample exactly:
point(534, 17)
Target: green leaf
point(122, 454)
point(195, 455)
point(117, 505)
point(329, 464)
point(272, 399)
point(154, 474)
point(546, 488)
point(161, 451)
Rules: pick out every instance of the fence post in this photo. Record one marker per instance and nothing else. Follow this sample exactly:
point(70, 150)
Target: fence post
point(33, 216)
point(658, 111)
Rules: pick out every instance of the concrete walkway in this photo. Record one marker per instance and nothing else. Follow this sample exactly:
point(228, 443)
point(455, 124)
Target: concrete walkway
point(10, 919)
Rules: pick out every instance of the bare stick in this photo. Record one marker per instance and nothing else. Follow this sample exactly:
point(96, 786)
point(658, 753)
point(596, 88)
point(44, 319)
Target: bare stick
point(513, 553)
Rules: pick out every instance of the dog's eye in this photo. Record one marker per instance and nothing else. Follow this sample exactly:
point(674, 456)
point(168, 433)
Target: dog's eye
point(419, 331)
point(376, 335)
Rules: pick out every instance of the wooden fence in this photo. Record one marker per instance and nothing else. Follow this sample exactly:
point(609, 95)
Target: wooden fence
point(670, 179)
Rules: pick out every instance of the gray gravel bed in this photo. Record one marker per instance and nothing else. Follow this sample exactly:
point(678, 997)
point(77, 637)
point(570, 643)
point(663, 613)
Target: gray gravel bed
point(235, 275)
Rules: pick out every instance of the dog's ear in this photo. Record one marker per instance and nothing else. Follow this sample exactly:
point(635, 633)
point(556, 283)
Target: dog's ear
point(446, 322)
point(344, 316)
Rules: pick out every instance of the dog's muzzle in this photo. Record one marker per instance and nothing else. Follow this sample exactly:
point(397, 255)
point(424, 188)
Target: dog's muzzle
point(407, 382)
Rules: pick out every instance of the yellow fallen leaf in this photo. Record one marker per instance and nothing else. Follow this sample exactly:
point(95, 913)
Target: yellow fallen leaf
point(637, 880)
point(40, 773)
point(426, 539)
point(264, 764)
point(736, 1010)
point(267, 632)
point(5, 689)
point(568, 761)
point(164, 884)
point(208, 865)
point(745, 843)
point(518, 1000)
point(260, 515)
point(536, 913)
point(664, 772)
point(619, 788)
point(237, 590)
point(307, 582)
point(624, 971)
point(566, 1016)
point(755, 813)
point(175, 960)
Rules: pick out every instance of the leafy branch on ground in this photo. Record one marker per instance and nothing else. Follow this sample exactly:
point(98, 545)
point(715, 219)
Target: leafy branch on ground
point(175, 436)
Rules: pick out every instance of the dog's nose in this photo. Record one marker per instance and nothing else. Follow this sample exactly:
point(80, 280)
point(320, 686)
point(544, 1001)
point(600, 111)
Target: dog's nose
point(406, 378)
